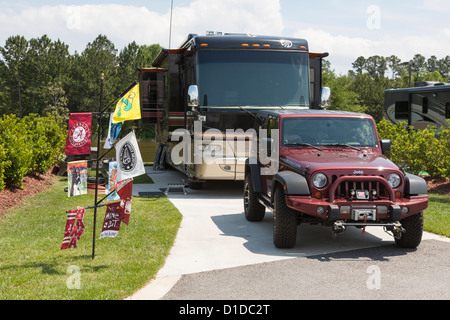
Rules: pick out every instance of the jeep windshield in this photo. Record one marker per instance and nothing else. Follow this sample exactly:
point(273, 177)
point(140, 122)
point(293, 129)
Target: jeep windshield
point(329, 132)
point(253, 78)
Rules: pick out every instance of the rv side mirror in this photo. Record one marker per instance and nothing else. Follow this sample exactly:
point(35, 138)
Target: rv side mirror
point(385, 145)
point(267, 143)
point(192, 96)
point(325, 98)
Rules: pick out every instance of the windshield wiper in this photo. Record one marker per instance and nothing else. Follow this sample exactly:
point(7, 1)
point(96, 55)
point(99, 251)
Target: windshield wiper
point(302, 145)
point(342, 145)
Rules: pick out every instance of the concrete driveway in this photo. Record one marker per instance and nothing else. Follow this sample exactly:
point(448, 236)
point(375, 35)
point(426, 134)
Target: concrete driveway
point(215, 238)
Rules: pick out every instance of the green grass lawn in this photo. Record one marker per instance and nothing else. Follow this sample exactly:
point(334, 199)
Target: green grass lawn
point(32, 266)
point(437, 216)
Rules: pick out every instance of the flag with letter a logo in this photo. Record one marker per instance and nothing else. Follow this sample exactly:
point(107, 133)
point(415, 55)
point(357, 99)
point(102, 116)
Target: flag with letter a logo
point(128, 157)
point(129, 106)
point(78, 140)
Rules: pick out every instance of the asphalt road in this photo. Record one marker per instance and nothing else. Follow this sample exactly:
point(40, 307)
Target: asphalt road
point(403, 275)
point(219, 255)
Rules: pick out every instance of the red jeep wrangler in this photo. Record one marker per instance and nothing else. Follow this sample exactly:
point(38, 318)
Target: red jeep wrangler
point(330, 169)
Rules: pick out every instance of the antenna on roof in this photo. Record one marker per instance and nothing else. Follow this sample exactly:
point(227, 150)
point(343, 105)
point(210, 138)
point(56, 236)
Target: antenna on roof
point(170, 28)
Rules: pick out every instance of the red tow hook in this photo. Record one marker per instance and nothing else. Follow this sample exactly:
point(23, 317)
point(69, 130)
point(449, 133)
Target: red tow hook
point(364, 228)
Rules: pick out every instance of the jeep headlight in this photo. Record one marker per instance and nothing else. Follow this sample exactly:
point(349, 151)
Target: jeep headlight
point(394, 180)
point(319, 180)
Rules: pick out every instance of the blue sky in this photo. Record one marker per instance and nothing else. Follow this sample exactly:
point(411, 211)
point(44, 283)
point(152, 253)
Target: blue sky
point(346, 29)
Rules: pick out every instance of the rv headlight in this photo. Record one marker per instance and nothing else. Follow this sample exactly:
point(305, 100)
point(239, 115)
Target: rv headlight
point(320, 180)
point(394, 180)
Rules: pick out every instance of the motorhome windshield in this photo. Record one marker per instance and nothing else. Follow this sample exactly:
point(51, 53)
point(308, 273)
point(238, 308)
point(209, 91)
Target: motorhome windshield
point(253, 78)
point(329, 132)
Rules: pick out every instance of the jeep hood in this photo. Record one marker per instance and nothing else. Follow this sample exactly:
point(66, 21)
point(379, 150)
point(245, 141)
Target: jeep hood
point(332, 159)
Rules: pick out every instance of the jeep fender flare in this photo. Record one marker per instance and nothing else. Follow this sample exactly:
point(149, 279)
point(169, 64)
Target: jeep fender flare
point(415, 185)
point(252, 168)
point(293, 183)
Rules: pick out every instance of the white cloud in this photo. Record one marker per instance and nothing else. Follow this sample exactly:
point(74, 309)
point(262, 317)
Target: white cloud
point(122, 24)
point(242, 16)
point(344, 50)
point(439, 6)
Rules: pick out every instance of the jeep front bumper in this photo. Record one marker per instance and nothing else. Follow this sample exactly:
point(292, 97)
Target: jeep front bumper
point(358, 210)
point(369, 210)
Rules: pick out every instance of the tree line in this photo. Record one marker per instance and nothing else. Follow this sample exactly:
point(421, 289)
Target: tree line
point(41, 76)
point(362, 88)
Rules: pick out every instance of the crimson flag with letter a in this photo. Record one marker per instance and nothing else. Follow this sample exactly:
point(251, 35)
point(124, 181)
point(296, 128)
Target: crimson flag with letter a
point(78, 140)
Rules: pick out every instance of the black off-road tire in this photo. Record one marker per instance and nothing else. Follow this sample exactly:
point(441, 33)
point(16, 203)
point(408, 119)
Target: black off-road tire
point(412, 236)
point(254, 211)
point(284, 222)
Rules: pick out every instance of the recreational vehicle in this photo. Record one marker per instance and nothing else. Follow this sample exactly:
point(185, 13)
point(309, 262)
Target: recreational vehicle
point(209, 89)
point(428, 103)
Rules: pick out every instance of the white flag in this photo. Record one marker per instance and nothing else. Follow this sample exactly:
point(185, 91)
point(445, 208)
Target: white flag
point(129, 160)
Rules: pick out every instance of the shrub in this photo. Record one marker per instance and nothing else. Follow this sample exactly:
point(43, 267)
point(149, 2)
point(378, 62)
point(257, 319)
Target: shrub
point(47, 142)
point(3, 163)
point(28, 146)
point(418, 151)
point(17, 148)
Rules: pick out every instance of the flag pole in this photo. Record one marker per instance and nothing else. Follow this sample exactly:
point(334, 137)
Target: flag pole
point(97, 164)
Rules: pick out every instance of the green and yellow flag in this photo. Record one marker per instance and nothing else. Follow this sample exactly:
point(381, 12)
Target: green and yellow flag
point(128, 107)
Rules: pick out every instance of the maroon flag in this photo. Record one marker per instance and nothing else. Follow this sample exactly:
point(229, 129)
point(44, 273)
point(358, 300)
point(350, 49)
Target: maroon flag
point(111, 223)
point(79, 136)
point(125, 193)
point(74, 228)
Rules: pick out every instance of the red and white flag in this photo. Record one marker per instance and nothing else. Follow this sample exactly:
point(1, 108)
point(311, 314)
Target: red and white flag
point(125, 192)
point(111, 223)
point(74, 228)
point(78, 140)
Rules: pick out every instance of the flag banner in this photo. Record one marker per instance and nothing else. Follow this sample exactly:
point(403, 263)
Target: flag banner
point(77, 178)
point(125, 191)
point(129, 160)
point(78, 140)
point(111, 223)
point(113, 133)
point(128, 107)
point(112, 181)
point(74, 228)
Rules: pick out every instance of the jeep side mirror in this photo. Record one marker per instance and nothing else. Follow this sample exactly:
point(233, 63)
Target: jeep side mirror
point(385, 145)
point(325, 98)
point(192, 96)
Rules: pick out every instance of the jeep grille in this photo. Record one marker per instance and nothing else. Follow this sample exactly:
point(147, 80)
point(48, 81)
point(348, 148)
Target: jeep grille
point(375, 189)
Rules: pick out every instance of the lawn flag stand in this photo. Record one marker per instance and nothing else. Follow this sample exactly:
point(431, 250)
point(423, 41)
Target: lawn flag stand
point(129, 106)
